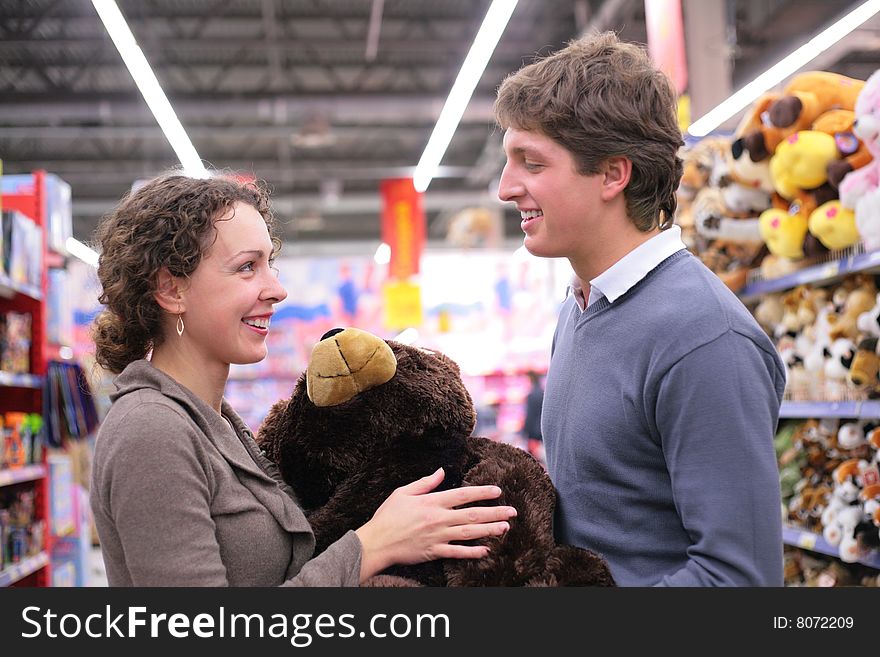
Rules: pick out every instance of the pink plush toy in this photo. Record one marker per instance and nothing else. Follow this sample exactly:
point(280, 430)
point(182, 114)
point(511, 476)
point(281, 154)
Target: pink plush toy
point(860, 189)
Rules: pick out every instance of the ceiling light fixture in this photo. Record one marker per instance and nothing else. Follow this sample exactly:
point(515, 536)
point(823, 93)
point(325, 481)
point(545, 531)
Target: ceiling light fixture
point(407, 336)
point(784, 68)
point(149, 87)
point(81, 251)
point(383, 254)
point(471, 71)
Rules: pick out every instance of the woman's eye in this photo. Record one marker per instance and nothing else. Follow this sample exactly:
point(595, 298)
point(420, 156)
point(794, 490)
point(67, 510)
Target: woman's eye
point(248, 266)
point(532, 166)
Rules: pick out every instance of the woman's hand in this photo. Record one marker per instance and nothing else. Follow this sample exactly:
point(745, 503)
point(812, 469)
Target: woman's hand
point(415, 525)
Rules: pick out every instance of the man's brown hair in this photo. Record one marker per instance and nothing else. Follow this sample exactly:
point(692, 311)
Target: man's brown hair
point(600, 98)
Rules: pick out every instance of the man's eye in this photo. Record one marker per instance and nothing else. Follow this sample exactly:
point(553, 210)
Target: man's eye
point(533, 166)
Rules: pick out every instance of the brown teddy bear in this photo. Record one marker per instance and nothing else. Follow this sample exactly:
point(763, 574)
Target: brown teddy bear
point(369, 416)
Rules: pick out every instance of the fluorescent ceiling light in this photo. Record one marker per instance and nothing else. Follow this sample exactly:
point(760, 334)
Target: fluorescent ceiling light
point(146, 81)
point(383, 254)
point(407, 336)
point(81, 251)
point(460, 94)
point(784, 68)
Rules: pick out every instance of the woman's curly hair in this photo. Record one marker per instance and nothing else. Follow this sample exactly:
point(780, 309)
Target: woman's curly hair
point(168, 222)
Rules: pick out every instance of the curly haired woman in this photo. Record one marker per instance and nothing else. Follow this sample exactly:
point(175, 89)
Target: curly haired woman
point(180, 492)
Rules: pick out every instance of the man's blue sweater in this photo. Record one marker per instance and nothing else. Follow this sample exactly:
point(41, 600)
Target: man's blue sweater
point(659, 416)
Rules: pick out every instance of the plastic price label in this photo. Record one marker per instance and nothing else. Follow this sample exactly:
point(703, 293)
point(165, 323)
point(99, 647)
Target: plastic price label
point(830, 270)
point(807, 541)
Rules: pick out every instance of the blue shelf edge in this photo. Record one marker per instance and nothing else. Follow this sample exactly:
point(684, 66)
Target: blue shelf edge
point(825, 409)
point(15, 380)
point(815, 543)
point(23, 568)
point(814, 274)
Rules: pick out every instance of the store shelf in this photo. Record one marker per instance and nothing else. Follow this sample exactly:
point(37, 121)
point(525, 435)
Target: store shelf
point(26, 473)
point(23, 568)
point(15, 380)
point(815, 543)
point(867, 409)
point(842, 263)
point(9, 288)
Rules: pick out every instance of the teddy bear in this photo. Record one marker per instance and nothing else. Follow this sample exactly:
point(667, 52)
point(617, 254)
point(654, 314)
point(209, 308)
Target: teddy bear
point(368, 416)
point(860, 189)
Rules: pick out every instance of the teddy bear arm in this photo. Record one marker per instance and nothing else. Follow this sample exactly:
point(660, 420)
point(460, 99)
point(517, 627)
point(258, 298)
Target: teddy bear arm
point(350, 506)
point(271, 429)
point(568, 565)
point(527, 555)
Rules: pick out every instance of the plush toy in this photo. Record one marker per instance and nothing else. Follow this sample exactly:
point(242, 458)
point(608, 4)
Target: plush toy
point(834, 225)
point(369, 416)
point(783, 233)
point(840, 124)
point(714, 219)
point(801, 162)
point(806, 97)
point(868, 322)
point(865, 368)
point(859, 300)
point(860, 189)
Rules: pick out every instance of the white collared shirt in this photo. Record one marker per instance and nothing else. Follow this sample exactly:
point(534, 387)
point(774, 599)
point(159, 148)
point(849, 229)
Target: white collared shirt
point(615, 281)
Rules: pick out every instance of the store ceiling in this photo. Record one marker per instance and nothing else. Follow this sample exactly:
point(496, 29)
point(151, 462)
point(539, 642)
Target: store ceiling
point(287, 89)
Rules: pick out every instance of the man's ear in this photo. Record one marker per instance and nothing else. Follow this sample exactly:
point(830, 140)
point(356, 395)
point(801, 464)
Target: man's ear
point(169, 292)
point(617, 172)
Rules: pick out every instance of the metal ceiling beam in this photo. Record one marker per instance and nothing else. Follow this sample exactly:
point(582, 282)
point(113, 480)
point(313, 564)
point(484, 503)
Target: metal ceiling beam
point(351, 109)
point(42, 132)
point(115, 174)
point(364, 203)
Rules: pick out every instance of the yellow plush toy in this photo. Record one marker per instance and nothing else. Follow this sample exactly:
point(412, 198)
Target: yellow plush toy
point(801, 162)
point(784, 233)
point(834, 225)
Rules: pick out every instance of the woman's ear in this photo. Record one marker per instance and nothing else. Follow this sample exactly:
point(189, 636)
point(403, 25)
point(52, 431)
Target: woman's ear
point(617, 172)
point(168, 294)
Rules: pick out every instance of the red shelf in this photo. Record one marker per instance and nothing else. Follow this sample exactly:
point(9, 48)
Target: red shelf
point(24, 392)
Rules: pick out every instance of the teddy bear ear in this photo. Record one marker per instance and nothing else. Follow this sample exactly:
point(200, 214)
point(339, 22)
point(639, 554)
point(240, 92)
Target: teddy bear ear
point(345, 363)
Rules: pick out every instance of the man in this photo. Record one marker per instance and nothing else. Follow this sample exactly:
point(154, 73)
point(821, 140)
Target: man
point(532, 422)
point(663, 393)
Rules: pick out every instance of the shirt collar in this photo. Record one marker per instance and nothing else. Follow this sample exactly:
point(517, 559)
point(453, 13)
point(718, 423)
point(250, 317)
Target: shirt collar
point(615, 281)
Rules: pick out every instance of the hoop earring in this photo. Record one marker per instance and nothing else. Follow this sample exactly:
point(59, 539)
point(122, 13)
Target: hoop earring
point(180, 325)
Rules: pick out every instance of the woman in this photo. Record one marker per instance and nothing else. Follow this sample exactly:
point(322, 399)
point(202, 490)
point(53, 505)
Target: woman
point(181, 494)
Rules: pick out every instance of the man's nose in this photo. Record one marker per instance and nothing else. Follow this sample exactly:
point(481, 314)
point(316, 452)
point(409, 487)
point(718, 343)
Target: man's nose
point(508, 188)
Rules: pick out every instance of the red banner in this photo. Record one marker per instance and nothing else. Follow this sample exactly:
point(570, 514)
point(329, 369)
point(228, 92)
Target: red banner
point(666, 40)
point(403, 226)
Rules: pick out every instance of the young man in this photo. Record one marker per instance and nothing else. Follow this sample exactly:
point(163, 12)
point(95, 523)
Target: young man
point(663, 393)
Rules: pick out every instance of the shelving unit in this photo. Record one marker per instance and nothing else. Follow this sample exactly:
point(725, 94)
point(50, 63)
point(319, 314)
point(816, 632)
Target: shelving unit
point(24, 392)
point(821, 409)
point(18, 475)
point(23, 568)
point(9, 288)
point(835, 265)
point(15, 380)
point(815, 543)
